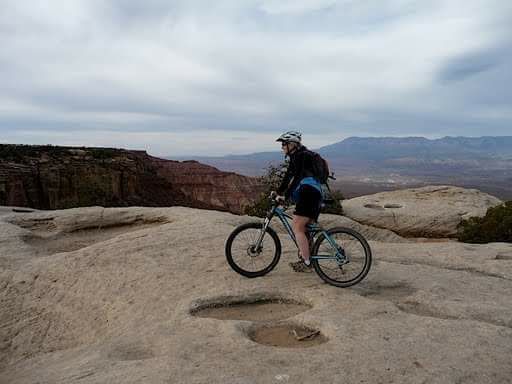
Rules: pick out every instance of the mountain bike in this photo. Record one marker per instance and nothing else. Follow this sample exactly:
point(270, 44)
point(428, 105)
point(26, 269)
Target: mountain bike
point(340, 256)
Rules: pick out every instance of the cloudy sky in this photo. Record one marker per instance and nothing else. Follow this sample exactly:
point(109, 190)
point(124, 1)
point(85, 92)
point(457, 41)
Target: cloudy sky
point(210, 78)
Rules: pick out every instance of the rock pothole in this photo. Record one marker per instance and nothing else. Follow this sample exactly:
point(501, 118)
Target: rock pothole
point(129, 352)
point(392, 205)
point(287, 335)
point(267, 314)
point(255, 309)
point(374, 206)
point(417, 308)
point(82, 238)
point(22, 210)
point(392, 292)
point(504, 256)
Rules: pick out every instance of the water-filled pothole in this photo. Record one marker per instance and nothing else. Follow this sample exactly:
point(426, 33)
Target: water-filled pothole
point(251, 309)
point(286, 335)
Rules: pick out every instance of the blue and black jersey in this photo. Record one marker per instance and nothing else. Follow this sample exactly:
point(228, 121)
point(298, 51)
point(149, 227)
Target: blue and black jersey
point(300, 167)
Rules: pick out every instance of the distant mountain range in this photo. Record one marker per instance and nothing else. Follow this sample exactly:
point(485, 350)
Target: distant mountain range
point(378, 148)
point(368, 164)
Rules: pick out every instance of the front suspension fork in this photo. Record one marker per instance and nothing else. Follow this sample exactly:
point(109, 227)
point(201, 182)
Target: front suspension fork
point(257, 246)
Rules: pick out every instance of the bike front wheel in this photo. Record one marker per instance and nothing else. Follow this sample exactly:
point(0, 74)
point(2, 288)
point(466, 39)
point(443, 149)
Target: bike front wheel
point(242, 254)
point(344, 262)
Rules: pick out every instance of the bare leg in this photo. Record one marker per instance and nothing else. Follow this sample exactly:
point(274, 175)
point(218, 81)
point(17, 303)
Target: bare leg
point(299, 229)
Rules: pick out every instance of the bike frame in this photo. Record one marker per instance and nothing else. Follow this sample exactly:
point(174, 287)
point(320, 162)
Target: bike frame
point(313, 229)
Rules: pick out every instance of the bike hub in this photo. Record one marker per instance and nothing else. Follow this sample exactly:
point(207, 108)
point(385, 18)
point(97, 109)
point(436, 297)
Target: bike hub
point(253, 251)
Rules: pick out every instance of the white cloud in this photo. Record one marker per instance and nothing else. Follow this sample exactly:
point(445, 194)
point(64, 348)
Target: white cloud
point(243, 66)
point(204, 142)
point(297, 6)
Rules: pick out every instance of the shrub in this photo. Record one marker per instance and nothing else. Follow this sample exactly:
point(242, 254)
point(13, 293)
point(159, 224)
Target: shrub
point(104, 153)
point(271, 181)
point(334, 207)
point(495, 226)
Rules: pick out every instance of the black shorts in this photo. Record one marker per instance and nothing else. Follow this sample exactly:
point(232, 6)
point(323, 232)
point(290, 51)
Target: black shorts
point(309, 202)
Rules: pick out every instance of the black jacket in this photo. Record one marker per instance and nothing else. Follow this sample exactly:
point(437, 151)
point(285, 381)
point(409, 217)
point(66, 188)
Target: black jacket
point(300, 166)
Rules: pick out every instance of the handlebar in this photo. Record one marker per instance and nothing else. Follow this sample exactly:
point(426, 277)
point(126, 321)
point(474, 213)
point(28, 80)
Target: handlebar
point(273, 197)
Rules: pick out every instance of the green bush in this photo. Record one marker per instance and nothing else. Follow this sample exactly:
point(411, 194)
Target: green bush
point(495, 226)
point(104, 153)
point(271, 181)
point(17, 153)
point(23, 153)
point(334, 207)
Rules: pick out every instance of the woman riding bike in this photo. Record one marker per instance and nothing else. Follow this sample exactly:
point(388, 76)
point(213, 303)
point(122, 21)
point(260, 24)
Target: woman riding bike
point(301, 185)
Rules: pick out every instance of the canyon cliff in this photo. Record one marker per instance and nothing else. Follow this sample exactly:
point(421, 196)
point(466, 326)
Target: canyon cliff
point(50, 177)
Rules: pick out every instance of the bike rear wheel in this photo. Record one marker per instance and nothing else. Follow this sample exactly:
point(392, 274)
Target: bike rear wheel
point(242, 255)
point(338, 271)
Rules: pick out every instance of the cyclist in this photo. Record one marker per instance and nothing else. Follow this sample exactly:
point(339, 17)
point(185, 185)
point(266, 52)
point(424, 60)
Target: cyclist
point(304, 190)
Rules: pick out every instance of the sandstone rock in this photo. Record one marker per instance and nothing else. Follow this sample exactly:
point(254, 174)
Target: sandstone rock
point(209, 185)
point(432, 211)
point(120, 308)
point(76, 219)
point(47, 177)
point(369, 232)
point(327, 221)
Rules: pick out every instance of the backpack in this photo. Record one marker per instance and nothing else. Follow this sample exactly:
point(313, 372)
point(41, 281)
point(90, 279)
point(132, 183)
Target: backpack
point(321, 172)
point(320, 168)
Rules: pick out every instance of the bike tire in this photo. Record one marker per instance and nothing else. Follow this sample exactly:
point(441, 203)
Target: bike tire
point(236, 265)
point(363, 258)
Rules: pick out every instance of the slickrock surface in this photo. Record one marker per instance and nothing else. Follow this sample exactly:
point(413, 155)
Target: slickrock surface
point(432, 211)
point(117, 296)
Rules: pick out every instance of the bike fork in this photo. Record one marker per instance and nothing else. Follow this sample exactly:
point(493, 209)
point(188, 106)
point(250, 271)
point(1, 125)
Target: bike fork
point(262, 233)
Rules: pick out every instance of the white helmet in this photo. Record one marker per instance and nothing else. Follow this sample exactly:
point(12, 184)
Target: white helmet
point(290, 137)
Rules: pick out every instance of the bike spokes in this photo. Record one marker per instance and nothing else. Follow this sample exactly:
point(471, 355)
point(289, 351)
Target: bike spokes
point(247, 257)
point(344, 259)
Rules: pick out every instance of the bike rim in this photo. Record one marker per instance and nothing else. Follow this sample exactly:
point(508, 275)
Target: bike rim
point(246, 257)
point(333, 269)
